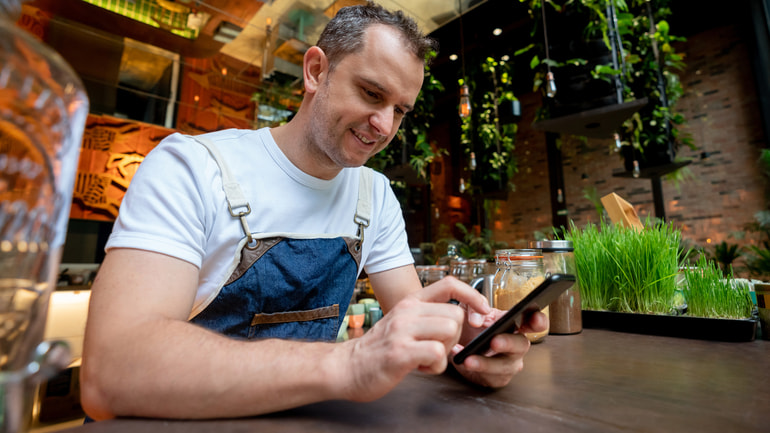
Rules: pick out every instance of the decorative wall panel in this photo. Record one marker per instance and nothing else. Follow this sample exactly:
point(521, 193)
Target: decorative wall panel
point(110, 155)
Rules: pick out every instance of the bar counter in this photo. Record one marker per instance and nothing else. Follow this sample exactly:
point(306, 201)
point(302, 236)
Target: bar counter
point(595, 381)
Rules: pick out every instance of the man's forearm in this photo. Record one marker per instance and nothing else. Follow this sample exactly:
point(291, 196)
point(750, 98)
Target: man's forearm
point(172, 369)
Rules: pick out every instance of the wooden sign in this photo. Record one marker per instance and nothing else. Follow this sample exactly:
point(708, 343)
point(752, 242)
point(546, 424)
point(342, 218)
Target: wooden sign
point(621, 212)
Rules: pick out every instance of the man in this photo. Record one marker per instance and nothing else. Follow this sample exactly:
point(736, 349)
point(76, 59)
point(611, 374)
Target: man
point(235, 255)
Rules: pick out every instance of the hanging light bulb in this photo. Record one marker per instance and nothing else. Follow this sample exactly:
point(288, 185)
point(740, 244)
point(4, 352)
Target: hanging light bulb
point(462, 186)
point(550, 85)
point(473, 160)
point(636, 173)
point(618, 143)
point(560, 195)
point(550, 82)
point(465, 93)
point(465, 101)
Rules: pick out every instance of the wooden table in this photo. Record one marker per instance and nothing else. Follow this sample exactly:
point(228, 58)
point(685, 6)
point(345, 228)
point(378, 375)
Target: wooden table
point(596, 381)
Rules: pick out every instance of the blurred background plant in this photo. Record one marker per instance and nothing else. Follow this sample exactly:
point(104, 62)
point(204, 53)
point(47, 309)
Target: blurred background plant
point(476, 243)
point(757, 257)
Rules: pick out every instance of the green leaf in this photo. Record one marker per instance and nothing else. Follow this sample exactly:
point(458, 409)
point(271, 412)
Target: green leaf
point(523, 50)
point(551, 63)
point(534, 62)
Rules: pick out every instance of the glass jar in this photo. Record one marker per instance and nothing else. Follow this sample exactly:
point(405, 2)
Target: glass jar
point(460, 269)
point(565, 311)
point(477, 268)
point(429, 274)
point(522, 273)
point(501, 264)
point(43, 110)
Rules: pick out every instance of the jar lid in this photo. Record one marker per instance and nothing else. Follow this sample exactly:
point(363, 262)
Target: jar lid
point(504, 251)
point(552, 246)
point(525, 254)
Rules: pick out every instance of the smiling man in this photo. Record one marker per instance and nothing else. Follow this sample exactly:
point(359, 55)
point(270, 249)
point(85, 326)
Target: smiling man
point(235, 255)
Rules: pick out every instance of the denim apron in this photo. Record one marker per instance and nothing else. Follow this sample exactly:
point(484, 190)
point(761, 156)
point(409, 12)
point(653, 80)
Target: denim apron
point(292, 286)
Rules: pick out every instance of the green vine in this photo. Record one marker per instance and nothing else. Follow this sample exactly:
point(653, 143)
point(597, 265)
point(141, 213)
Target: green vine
point(491, 140)
point(650, 65)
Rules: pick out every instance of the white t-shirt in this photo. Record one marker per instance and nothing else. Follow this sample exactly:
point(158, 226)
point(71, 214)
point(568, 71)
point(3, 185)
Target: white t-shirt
point(176, 205)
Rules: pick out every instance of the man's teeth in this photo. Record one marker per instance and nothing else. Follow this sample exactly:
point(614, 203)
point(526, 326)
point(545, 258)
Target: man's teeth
point(362, 138)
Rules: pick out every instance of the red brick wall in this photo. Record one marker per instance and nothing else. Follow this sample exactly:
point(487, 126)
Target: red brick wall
point(725, 191)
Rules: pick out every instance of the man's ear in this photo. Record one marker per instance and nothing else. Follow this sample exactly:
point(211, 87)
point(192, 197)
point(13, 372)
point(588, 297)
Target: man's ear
point(315, 67)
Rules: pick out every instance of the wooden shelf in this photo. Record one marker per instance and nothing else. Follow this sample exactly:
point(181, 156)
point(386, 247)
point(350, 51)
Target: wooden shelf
point(598, 123)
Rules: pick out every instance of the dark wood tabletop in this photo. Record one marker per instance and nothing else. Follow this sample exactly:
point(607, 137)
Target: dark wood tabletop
point(595, 381)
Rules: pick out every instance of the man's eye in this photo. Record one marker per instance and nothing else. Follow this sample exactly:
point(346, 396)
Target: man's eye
point(371, 94)
point(400, 112)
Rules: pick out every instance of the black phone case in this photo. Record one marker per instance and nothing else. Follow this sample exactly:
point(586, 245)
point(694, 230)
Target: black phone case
point(537, 299)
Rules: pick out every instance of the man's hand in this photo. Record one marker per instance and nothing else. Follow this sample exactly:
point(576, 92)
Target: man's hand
point(505, 357)
point(417, 333)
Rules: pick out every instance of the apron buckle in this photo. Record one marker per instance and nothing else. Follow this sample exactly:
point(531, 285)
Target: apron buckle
point(242, 216)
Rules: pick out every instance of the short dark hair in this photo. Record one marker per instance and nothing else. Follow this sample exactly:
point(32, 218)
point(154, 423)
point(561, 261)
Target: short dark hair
point(344, 34)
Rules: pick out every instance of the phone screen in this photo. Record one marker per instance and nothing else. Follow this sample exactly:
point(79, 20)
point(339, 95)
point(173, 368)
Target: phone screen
point(537, 299)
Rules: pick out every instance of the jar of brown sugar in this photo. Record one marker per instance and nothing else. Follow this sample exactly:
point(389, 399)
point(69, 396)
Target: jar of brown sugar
point(523, 272)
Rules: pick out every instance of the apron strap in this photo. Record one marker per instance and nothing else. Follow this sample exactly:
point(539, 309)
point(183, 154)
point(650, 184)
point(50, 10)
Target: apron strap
point(364, 206)
point(235, 198)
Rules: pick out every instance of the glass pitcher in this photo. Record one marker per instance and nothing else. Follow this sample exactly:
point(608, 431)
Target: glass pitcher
point(43, 110)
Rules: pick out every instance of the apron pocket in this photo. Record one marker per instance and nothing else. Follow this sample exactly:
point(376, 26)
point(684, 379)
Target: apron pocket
point(320, 323)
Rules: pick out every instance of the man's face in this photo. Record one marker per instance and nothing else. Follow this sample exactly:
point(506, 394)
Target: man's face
point(360, 104)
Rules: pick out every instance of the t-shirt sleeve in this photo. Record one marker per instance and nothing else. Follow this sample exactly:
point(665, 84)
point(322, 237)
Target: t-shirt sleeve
point(390, 247)
point(163, 209)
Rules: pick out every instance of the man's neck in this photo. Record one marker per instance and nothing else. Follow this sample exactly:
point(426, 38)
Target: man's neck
point(291, 140)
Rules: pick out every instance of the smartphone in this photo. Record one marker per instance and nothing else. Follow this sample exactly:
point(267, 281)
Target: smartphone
point(537, 299)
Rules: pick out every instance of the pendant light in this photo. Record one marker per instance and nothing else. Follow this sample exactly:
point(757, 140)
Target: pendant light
point(465, 101)
point(618, 143)
point(465, 92)
point(550, 82)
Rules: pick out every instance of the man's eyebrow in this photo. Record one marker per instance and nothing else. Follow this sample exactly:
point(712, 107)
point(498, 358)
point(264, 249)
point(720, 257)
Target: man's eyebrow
point(381, 89)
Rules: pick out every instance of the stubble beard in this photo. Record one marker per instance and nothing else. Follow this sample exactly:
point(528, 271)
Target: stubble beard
point(323, 143)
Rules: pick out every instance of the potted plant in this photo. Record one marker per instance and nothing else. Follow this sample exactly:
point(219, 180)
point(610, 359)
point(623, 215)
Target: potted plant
point(710, 293)
point(628, 281)
point(758, 257)
point(623, 270)
point(645, 64)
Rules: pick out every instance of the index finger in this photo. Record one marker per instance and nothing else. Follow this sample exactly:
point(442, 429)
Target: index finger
point(450, 288)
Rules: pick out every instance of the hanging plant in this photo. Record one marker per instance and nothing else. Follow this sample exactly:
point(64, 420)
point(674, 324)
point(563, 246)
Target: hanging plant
point(648, 65)
point(275, 103)
point(487, 140)
point(653, 71)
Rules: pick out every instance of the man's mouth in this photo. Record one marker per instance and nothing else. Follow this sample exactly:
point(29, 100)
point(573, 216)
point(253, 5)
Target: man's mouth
point(362, 138)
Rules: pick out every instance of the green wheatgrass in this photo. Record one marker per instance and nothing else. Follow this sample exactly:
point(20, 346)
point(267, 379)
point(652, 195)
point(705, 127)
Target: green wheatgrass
point(709, 294)
point(620, 269)
point(593, 266)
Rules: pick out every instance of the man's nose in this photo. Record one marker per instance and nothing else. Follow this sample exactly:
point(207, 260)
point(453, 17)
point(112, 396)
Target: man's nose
point(383, 121)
